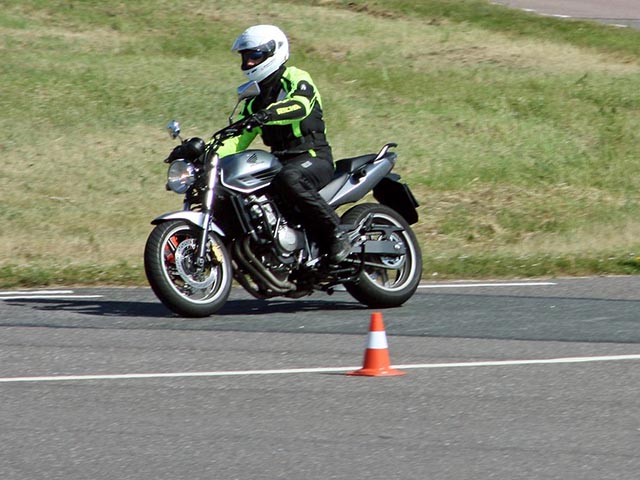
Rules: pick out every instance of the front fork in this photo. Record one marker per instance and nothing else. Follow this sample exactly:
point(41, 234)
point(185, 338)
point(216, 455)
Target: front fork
point(212, 167)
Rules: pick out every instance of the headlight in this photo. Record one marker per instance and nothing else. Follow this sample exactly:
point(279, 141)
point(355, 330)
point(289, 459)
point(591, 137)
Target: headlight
point(181, 176)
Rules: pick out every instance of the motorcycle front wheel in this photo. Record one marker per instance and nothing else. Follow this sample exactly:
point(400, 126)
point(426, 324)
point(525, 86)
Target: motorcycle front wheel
point(179, 283)
point(386, 280)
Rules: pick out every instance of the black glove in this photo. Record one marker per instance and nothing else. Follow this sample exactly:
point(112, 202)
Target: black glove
point(175, 154)
point(257, 120)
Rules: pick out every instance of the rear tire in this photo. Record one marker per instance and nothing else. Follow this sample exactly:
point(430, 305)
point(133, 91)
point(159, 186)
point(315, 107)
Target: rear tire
point(388, 281)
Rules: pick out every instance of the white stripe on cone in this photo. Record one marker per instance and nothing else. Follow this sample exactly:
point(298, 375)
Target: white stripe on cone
point(377, 340)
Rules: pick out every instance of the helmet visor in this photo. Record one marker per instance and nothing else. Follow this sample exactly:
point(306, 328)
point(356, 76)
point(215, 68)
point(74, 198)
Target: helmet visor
point(254, 57)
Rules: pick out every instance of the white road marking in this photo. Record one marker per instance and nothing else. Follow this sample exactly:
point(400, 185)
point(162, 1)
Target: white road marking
point(498, 363)
point(32, 292)
point(126, 376)
point(471, 285)
point(47, 297)
point(547, 361)
point(42, 295)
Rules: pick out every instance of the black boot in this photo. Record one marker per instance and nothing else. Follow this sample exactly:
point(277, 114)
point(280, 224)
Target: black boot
point(340, 246)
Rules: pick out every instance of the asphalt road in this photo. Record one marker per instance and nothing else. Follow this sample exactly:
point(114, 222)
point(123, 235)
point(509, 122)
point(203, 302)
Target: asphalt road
point(502, 382)
point(535, 381)
point(618, 12)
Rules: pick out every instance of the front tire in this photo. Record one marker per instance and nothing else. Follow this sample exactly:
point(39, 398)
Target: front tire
point(386, 281)
point(170, 265)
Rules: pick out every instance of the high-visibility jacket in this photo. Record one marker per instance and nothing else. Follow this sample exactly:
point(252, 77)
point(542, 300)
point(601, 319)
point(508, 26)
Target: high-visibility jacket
point(295, 124)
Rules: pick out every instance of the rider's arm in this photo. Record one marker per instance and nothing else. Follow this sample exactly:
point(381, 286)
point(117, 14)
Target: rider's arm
point(284, 112)
point(295, 107)
point(241, 142)
point(237, 144)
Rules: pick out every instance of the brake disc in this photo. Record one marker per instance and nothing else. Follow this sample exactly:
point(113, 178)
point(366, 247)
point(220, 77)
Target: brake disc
point(185, 265)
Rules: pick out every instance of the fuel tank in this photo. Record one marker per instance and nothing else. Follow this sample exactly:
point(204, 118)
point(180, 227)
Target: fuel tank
point(249, 170)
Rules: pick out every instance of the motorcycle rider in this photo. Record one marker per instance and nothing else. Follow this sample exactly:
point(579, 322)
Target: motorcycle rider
point(288, 115)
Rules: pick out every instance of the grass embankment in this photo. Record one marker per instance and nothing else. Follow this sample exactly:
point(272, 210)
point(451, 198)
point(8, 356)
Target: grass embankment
point(518, 133)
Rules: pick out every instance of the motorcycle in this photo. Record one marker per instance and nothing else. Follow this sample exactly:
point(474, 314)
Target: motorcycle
point(231, 227)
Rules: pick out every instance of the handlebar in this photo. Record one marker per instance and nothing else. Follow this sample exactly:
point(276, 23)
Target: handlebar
point(233, 130)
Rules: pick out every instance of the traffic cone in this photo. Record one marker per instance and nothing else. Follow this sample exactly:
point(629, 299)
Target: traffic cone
point(376, 356)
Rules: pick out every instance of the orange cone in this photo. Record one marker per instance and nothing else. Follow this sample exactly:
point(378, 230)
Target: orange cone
point(376, 356)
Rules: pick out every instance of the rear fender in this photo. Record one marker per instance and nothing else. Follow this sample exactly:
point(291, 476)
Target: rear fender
point(197, 219)
point(394, 194)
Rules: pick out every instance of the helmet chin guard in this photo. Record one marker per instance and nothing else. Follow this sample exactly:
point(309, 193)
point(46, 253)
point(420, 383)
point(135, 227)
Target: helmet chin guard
point(268, 39)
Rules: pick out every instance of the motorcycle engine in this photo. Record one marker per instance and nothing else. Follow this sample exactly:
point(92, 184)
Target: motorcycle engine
point(266, 217)
point(289, 239)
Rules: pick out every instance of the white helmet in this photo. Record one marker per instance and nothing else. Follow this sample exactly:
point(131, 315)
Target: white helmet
point(268, 40)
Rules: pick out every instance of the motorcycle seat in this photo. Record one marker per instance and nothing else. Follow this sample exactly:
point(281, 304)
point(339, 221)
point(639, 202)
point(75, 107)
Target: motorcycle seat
point(347, 165)
point(342, 170)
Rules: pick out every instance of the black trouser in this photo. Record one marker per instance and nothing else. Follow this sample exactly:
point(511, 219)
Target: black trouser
point(297, 186)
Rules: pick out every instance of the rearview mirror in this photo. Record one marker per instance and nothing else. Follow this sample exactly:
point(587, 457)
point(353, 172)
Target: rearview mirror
point(248, 90)
point(174, 129)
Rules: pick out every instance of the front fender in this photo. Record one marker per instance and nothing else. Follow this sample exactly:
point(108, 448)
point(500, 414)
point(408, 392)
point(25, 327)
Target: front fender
point(195, 218)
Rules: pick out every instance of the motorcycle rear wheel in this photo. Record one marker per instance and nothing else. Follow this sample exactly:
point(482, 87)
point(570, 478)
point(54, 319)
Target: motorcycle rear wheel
point(386, 282)
point(170, 265)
